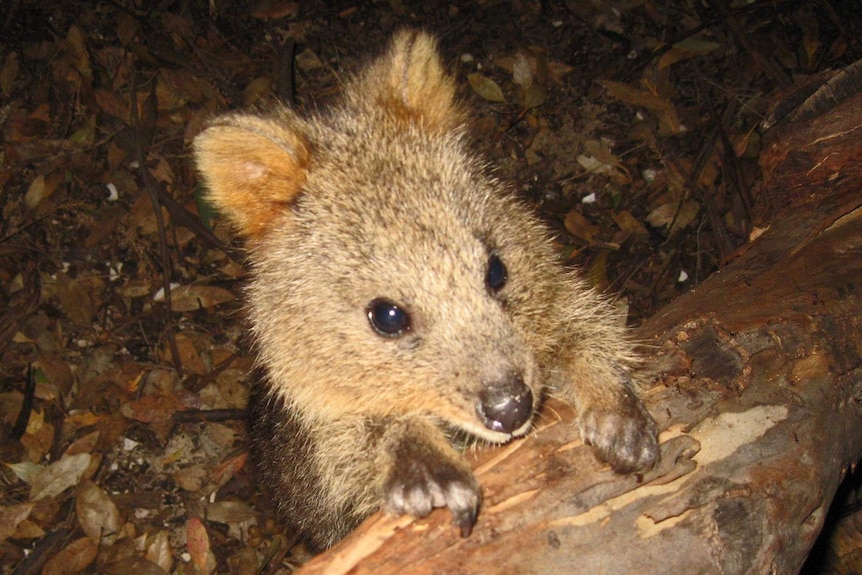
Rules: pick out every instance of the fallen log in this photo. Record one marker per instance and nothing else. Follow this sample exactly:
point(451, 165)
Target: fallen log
point(760, 400)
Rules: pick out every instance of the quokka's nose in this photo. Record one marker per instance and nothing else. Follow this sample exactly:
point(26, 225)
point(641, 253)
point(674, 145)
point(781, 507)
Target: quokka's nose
point(506, 405)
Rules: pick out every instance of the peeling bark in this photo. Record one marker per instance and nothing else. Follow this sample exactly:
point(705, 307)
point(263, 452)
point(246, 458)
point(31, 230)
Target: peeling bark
point(760, 400)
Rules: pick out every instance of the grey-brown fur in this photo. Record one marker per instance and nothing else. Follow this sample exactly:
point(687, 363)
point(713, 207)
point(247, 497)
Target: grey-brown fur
point(380, 197)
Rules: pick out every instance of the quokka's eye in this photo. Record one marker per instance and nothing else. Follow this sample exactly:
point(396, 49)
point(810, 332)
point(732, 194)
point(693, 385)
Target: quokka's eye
point(496, 276)
point(387, 318)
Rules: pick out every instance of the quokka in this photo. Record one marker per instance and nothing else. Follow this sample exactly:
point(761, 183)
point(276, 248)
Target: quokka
point(401, 296)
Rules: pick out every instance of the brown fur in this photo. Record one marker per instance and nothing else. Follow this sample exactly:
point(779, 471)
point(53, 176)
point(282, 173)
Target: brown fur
point(380, 197)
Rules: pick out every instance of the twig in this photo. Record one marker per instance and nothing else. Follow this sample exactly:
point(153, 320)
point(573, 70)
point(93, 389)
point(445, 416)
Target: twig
point(26, 406)
point(150, 185)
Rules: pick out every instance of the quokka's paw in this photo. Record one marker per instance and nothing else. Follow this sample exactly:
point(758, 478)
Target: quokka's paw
point(420, 480)
point(625, 436)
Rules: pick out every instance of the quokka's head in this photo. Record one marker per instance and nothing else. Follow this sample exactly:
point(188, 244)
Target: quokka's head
point(390, 274)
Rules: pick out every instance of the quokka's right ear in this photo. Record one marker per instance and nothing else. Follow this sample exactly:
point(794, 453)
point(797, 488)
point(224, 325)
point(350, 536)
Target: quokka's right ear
point(253, 166)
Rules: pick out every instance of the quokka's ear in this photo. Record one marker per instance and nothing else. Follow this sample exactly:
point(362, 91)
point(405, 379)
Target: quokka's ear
point(410, 82)
point(253, 167)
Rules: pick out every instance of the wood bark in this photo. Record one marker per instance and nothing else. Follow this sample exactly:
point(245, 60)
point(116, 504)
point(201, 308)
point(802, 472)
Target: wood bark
point(760, 402)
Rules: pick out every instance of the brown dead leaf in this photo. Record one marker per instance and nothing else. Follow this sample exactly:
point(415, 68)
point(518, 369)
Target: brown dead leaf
point(167, 95)
point(597, 274)
point(556, 70)
point(628, 223)
point(198, 545)
point(271, 9)
point(77, 47)
point(113, 104)
point(195, 297)
point(85, 444)
point(534, 96)
point(307, 60)
point(76, 300)
point(127, 27)
point(159, 549)
point(99, 517)
point(151, 408)
point(256, 89)
point(190, 357)
point(229, 511)
point(86, 134)
point(223, 472)
point(608, 162)
point(662, 107)
point(163, 171)
point(136, 288)
point(27, 529)
point(685, 49)
point(74, 558)
point(191, 478)
point(9, 73)
point(57, 372)
point(485, 87)
point(39, 436)
point(674, 214)
point(42, 188)
point(11, 517)
point(522, 73)
point(59, 476)
point(580, 227)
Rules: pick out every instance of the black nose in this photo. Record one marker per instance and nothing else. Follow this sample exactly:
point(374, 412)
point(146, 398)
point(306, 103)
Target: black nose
point(505, 405)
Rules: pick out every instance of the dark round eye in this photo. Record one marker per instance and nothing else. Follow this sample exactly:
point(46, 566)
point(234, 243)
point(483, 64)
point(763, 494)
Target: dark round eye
point(496, 276)
point(387, 318)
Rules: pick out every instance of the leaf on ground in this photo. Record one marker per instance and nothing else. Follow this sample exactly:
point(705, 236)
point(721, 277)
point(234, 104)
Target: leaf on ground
point(485, 87)
point(601, 160)
point(11, 66)
point(11, 517)
point(198, 545)
point(159, 549)
point(223, 472)
point(85, 444)
point(580, 227)
point(75, 300)
point(256, 89)
point(662, 107)
point(674, 214)
point(685, 49)
point(75, 42)
point(229, 511)
point(26, 471)
point(534, 96)
point(628, 223)
point(307, 60)
point(42, 188)
point(98, 515)
point(39, 436)
point(191, 478)
point(190, 357)
point(271, 9)
point(522, 73)
point(155, 408)
point(195, 297)
point(74, 558)
point(59, 476)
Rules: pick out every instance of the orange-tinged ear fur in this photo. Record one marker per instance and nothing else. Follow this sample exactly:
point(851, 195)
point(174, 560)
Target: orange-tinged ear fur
point(252, 166)
point(411, 83)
